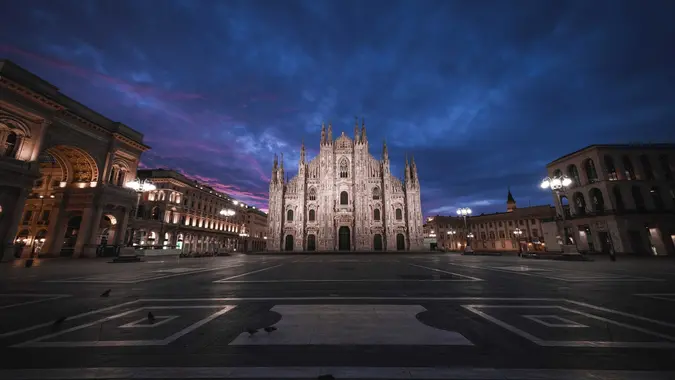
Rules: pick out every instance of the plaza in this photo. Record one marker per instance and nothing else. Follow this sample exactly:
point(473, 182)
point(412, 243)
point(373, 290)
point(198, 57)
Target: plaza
point(393, 316)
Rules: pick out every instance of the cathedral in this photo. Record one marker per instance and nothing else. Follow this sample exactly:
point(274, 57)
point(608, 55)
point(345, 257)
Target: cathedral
point(344, 200)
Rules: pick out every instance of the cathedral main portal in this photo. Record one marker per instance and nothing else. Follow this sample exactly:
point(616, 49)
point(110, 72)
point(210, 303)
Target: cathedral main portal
point(345, 239)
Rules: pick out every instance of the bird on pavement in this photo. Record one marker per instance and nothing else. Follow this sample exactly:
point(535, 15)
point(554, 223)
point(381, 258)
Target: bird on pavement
point(251, 331)
point(151, 317)
point(269, 329)
point(106, 293)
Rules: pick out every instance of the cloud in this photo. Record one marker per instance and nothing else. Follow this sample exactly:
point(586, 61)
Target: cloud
point(483, 94)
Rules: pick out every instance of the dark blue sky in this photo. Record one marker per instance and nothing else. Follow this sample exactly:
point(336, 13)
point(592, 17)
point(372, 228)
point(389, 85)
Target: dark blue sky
point(483, 93)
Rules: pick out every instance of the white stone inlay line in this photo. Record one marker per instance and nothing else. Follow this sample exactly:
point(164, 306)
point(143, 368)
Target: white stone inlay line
point(338, 372)
point(159, 320)
point(470, 278)
point(351, 325)
point(143, 277)
point(669, 342)
point(546, 320)
point(44, 298)
point(40, 342)
point(248, 273)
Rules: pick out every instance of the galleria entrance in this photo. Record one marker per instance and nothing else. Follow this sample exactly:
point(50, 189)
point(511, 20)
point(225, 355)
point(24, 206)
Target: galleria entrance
point(344, 239)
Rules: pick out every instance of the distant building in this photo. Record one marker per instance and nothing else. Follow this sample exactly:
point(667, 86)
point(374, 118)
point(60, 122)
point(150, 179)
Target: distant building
point(62, 171)
point(492, 232)
point(622, 198)
point(345, 199)
point(184, 214)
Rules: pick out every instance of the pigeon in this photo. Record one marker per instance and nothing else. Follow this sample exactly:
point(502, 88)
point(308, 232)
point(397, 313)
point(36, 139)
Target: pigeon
point(326, 377)
point(60, 321)
point(270, 329)
point(251, 331)
point(106, 293)
point(151, 317)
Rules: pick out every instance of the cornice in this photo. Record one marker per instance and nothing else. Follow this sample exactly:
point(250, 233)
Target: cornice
point(30, 94)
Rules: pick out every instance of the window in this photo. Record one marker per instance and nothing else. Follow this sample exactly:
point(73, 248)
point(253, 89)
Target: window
point(535, 232)
point(628, 166)
point(611, 169)
point(522, 222)
point(656, 198)
point(312, 215)
point(533, 221)
point(10, 144)
point(376, 193)
point(500, 224)
point(647, 166)
point(376, 214)
point(492, 235)
point(312, 194)
point(510, 222)
point(482, 235)
point(573, 172)
point(344, 168)
point(637, 198)
point(289, 215)
point(502, 235)
point(344, 198)
point(618, 198)
point(591, 174)
point(665, 166)
point(399, 214)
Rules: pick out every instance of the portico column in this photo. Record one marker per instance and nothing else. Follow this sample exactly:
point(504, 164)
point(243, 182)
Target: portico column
point(122, 228)
point(13, 203)
point(57, 225)
point(86, 237)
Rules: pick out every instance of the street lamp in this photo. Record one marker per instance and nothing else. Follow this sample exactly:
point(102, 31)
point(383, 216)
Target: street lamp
point(451, 235)
point(140, 186)
point(518, 232)
point(464, 212)
point(227, 212)
point(559, 184)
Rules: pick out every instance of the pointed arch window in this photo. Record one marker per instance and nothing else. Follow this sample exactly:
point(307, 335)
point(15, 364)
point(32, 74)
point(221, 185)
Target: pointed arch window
point(344, 168)
point(573, 172)
point(344, 198)
point(376, 214)
point(289, 215)
point(312, 194)
point(376, 193)
point(591, 174)
point(399, 214)
point(312, 215)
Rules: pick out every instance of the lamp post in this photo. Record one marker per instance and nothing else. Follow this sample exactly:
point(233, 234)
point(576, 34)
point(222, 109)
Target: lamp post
point(518, 232)
point(244, 235)
point(559, 184)
point(227, 213)
point(140, 186)
point(451, 236)
point(464, 212)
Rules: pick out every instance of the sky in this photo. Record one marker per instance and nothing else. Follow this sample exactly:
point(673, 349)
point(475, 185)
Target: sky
point(482, 93)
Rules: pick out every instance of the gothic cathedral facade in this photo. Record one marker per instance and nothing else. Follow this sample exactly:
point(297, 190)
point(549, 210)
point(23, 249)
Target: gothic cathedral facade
point(344, 200)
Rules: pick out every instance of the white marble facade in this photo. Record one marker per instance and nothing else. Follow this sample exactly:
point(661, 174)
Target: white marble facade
point(344, 200)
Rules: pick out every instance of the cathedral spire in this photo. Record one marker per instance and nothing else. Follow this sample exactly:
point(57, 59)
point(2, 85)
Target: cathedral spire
point(323, 133)
point(356, 130)
point(302, 152)
point(275, 167)
point(364, 138)
point(385, 154)
point(330, 133)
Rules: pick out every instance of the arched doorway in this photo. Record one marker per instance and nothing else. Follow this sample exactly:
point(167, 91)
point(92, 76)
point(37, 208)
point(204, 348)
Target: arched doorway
point(344, 239)
point(289, 243)
point(311, 242)
point(400, 242)
point(377, 242)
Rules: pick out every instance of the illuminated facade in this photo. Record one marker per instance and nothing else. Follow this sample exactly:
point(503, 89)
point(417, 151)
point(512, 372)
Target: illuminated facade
point(517, 229)
point(622, 198)
point(184, 214)
point(344, 199)
point(62, 171)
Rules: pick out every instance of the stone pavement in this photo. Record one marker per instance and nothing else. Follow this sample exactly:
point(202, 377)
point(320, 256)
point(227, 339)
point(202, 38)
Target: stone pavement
point(356, 317)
